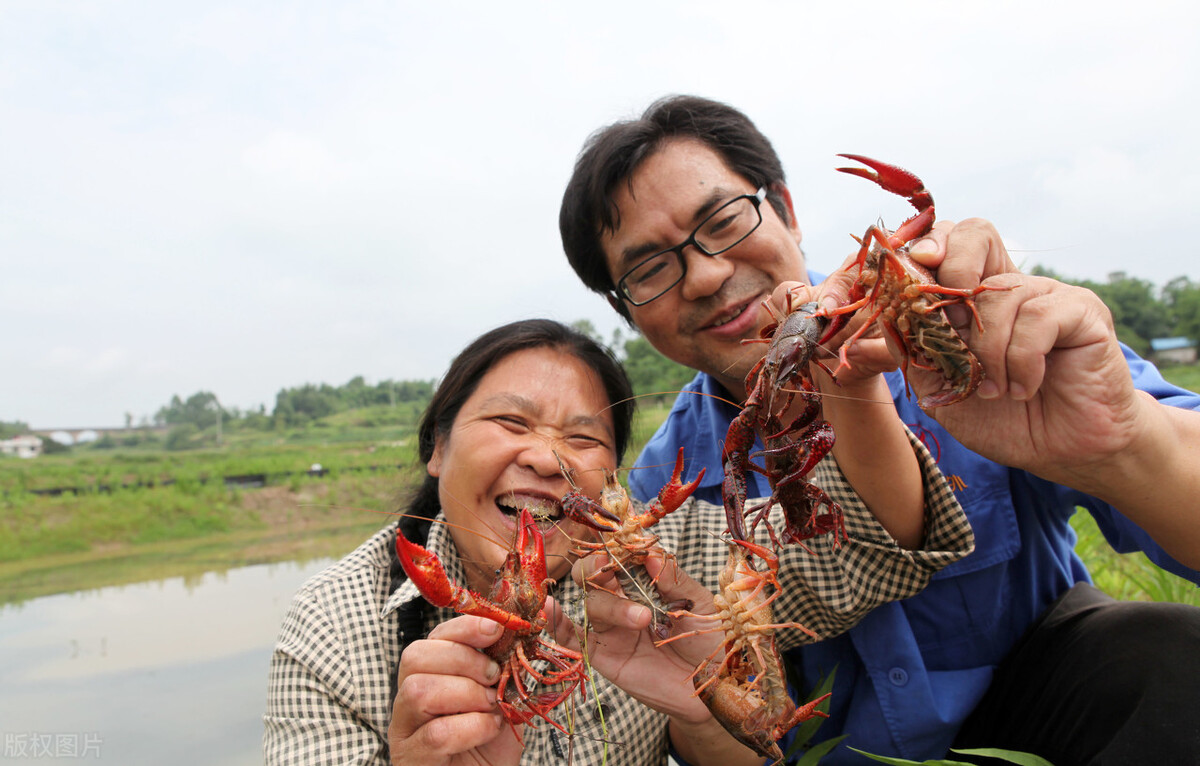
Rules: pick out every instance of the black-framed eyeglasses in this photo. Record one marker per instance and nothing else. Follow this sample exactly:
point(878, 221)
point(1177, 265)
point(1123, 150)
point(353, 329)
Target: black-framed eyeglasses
point(725, 227)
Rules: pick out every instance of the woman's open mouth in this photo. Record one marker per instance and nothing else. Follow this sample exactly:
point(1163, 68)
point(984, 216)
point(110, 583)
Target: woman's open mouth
point(544, 510)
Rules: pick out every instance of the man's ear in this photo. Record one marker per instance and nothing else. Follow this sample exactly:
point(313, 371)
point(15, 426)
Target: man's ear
point(785, 194)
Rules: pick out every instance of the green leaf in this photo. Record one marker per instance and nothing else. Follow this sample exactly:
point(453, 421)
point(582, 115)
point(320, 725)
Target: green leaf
point(807, 730)
point(906, 762)
point(1012, 756)
point(818, 751)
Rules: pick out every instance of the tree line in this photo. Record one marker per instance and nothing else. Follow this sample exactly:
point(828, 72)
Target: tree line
point(1141, 313)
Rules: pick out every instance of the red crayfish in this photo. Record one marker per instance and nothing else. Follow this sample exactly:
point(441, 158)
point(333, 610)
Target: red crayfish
point(516, 601)
point(745, 688)
point(903, 295)
point(625, 538)
point(792, 450)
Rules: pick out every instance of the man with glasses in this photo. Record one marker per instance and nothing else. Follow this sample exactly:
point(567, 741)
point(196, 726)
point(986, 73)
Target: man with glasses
point(1009, 647)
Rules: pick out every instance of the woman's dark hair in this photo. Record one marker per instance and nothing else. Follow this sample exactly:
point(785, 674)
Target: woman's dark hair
point(612, 154)
point(470, 366)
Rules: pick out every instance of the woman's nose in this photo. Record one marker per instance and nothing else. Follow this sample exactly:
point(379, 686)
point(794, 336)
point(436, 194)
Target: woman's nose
point(540, 456)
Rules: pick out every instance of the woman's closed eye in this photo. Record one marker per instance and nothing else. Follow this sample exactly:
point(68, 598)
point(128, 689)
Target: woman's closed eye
point(514, 423)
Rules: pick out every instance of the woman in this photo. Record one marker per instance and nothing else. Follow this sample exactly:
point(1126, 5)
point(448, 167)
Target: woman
point(512, 404)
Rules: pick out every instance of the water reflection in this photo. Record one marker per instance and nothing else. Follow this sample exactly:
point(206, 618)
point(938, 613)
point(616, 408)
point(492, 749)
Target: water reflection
point(169, 671)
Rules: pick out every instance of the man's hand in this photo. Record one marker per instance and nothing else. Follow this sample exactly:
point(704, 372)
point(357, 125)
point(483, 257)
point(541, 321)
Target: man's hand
point(868, 357)
point(445, 710)
point(1058, 394)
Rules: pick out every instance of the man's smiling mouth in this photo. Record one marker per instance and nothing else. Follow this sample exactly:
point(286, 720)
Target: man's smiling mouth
point(730, 316)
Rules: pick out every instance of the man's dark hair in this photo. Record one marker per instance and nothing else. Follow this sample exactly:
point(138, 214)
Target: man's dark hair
point(612, 154)
point(474, 362)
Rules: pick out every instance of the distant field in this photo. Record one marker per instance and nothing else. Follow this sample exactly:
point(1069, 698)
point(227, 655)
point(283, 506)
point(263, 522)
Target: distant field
point(138, 514)
point(94, 536)
point(1184, 376)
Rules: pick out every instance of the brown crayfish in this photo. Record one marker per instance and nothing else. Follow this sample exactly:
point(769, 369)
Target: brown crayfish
point(903, 296)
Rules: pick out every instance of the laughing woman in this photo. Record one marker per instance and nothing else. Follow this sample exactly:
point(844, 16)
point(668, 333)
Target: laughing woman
point(365, 671)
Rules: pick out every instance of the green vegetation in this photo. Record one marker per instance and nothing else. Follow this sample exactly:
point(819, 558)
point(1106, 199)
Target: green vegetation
point(1184, 376)
point(1142, 313)
point(153, 501)
point(1127, 576)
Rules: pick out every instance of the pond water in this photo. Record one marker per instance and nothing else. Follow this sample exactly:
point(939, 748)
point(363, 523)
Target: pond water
point(173, 671)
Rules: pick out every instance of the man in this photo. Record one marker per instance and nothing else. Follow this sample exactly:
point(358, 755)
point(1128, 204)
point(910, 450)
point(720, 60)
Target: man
point(1009, 647)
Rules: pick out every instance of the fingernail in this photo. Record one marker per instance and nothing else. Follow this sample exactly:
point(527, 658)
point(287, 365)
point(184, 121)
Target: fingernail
point(490, 627)
point(634, 613)
point(1018, 392)
point(988, 390)
point(924, 246)
point(493, 671)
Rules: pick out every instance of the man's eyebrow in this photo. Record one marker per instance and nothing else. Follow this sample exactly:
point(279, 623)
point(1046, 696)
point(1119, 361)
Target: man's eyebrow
point(631, 255)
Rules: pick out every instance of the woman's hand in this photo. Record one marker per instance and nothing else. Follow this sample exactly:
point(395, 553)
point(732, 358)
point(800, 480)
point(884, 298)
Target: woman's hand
point(620, 647)
point(445, 711)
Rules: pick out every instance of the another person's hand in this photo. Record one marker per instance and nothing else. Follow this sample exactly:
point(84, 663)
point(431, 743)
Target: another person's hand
point(1058, 393)
point(445, 710)
point(620, 647)
point(867, 357)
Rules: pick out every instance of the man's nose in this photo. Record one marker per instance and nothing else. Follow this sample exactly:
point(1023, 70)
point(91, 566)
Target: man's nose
point(705, 274)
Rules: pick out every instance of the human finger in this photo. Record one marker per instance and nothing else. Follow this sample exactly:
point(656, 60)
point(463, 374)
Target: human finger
point(1051, 317)
point(449, 657)
point(478, 632)
point(788, 296)
point(834, 291)
point(930, 250)
point(674, 584)
point(431, 695)
point(437, 740)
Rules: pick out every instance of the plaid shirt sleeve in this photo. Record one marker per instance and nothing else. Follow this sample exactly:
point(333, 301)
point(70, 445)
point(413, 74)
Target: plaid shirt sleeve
point(329, 688)
point(830, 587)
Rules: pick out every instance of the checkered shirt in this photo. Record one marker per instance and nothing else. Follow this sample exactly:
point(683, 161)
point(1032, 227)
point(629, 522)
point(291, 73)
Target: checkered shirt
point(329, 695)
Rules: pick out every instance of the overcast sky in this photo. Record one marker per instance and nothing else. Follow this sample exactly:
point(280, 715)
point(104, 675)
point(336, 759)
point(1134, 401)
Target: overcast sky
point(240, 197)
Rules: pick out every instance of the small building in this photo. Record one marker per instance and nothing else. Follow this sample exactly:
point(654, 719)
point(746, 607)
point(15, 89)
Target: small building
point(1173, 350)
point(25, 445)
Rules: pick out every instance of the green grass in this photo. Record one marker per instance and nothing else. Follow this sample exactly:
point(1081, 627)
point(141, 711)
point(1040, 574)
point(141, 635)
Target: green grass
point(1127, 576)
point(1185, 376)
point(70, 542)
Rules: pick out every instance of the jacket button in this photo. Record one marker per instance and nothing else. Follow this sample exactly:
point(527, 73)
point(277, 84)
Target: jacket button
point(898, 676)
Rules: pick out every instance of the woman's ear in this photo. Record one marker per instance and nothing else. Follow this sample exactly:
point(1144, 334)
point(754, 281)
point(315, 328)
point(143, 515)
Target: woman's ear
point(434, 466)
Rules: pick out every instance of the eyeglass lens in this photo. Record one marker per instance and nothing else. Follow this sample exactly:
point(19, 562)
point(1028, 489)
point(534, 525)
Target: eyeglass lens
point(727, 226)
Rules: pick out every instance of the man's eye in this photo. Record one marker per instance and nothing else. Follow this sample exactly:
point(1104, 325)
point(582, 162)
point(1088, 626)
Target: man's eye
point(720, 224)
point(650, 272)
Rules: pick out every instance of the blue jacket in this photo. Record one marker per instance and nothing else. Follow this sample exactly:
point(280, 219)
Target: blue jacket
point(908, 674)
